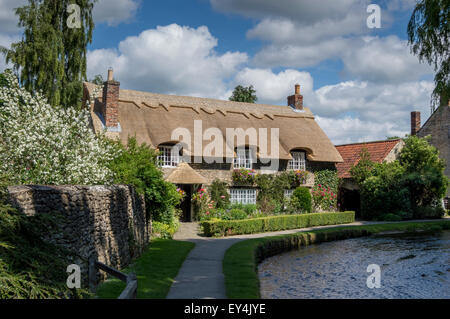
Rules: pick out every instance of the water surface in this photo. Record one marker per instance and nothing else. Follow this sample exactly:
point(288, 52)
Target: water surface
point(412, 266)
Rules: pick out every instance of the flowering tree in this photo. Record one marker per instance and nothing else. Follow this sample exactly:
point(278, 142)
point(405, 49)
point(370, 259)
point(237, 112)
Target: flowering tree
point(41, 144)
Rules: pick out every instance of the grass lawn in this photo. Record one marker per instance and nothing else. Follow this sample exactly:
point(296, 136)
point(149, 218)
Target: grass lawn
point(241, 260)
point(156, 269)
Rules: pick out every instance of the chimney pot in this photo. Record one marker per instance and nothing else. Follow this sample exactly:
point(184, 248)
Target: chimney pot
point(415, 122)
point(296, 100)
point(110, 74)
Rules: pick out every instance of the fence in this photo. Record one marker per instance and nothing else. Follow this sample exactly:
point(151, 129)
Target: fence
point(130, 290)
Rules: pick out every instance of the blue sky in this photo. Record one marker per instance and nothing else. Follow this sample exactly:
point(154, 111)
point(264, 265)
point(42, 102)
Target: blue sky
point(360, 83)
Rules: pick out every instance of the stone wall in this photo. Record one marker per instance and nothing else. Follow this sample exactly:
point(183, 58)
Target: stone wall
point(105, 222)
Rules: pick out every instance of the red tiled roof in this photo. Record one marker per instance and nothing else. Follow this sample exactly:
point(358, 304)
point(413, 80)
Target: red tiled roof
point(350, 154)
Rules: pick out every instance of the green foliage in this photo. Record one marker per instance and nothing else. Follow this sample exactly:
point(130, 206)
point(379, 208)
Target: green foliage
point(383, 192)
point(244, 94)
point(244, 176)
point(165, 231)
point(219, 194)
point(429, 38)
point(51, 57)
point(241, 260)
point(29, 267)
point(98, 80)
point(301, 200)
point(325, 190)
point(273, 223)
point(3, 81)
point(411, 187)
point(363, 168)
point(424, 173)
point(137, 166)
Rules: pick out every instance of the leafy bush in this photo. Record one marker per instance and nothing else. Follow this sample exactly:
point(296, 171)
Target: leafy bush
point(274, 223)
point(137, 166)
point(249, 209)
point(411, 187)
point(203, 206)
point(325, 190)
point(384, 192)
point(41, 144)
point(244, 176)
point(301, 201)
point(219, 194)
point(165, 231)
point(424, 175)
point(235, 214)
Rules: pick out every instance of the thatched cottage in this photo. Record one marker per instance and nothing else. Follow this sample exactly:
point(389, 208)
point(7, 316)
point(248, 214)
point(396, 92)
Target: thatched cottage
point(299, 142)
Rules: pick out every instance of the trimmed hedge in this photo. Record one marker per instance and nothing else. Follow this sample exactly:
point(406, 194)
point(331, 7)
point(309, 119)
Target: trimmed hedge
point(218, 228)
point(240, 264)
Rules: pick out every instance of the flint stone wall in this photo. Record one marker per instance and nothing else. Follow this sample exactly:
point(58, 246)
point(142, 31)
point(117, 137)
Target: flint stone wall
point(105, 222)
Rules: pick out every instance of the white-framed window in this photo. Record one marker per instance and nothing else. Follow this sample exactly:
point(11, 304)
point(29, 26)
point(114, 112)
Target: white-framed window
point(243, 158)
point(169, 156)
point(288, 193)
point(243, 195)
point(298, 161)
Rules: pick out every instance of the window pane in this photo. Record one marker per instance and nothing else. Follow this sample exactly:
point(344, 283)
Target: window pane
point(243, 196)
point(169, 156)
point(298, 161)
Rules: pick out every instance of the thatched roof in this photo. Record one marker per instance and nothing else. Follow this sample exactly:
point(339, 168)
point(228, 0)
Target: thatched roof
point(152, 118)
point(185, 174)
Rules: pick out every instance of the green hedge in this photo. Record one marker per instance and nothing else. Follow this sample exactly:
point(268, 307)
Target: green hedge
point(219, 228)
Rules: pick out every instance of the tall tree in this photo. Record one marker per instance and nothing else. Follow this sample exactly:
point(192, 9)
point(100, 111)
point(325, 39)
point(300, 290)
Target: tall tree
point(429, 38)
point(51, 56)
point(244, 94)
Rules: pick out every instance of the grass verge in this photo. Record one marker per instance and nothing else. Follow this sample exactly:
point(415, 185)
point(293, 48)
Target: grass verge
point(156, 269)
point(241, 260)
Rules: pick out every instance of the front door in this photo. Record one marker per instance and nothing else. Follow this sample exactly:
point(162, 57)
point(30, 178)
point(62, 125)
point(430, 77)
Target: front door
point(186, 204)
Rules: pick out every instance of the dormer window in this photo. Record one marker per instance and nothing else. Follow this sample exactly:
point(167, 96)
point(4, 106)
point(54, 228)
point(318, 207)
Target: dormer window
point(169, 156)
point(298, 161)
point(243, 158)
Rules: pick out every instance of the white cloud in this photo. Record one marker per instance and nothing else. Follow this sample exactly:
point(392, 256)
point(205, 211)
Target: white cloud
point(274, 88)
point(114, 12)
point(361, 111)
point(300, 56)
point(8, 19)
point(170, 59)
point(383, 59)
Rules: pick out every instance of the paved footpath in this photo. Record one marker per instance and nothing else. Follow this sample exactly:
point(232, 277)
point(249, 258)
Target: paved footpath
point(201, 276)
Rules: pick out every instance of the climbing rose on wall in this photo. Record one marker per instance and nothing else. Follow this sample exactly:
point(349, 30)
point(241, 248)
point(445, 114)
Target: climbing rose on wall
point(41, 144)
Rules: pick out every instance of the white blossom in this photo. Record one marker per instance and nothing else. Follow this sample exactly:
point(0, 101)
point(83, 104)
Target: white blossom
point(41, 144)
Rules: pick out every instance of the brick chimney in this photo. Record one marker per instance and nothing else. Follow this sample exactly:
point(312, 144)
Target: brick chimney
point(415, 122)
point(110, 108)
point(296, 100)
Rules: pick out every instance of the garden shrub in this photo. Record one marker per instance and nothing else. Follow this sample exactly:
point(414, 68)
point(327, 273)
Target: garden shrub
point(165, 231)
point(244, 176)
point(219, 194)
point(41, 144)
point(411, 187)
point(137, 166)
point(274, 223)
point(301, 201)
point(325, 190)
